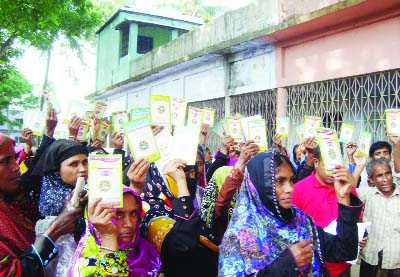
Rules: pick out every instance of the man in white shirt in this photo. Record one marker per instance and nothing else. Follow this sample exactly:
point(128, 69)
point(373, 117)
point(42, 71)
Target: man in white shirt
point(382, 206)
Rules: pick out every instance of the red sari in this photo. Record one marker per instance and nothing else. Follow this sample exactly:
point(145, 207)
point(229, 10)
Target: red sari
point(17, 233)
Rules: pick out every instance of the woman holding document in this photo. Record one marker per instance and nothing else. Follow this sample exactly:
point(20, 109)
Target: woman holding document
point(112, 246)
point(173, 225)
point(60, 166)
point(267, 236)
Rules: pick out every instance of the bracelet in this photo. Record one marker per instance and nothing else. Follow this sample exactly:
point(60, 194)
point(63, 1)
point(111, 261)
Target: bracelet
point(45, 249)
point(46, 236)
point(236, 173)
point(37, 254)
point(72, 137)
point(106, 248)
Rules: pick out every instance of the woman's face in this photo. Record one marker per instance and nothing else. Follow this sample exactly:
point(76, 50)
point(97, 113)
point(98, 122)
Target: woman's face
point(72, 168)
point(126, 219)
point(209, 155)
point(200, 165)
point(299, 154)
point(9, 171)
point(284, 185)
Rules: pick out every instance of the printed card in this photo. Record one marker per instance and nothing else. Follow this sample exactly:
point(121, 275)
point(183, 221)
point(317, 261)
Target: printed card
point(245, 126)
point(330, 149)
point(36, 121)
point(392, 122)
point(208, 116)
point(104, 129)
point(346, 133)
point(52, 102)
point(99, 110)
point(178, 111)
point(235, 128)
point(194, 117)
point(282, 126)
point(364, 142)
point(165, 145)
point(300, 131)
point(311, 123)
point(141, 139)
point(118, 121)
point(140, 112)
point(219, 128)
point(160, 111)
point(75, 108)
point(258, 133)
point(83, 130)
point(185, 142)
point(105, 179)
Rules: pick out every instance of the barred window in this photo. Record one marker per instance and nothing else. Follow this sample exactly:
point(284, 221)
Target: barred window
point(144, 44)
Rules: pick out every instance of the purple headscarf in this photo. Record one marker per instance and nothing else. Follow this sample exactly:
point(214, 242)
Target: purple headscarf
point(143, 259)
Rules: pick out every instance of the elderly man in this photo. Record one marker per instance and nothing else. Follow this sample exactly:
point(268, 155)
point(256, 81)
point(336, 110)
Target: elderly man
point(382, 206)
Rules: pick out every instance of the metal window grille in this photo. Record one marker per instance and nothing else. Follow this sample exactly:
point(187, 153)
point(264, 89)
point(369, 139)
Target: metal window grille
point(213, 141)
point(261, 102)
point(144, 44)
point(360, 100)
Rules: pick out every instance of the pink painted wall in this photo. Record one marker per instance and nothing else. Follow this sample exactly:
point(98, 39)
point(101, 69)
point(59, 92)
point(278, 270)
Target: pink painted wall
point(371, 48)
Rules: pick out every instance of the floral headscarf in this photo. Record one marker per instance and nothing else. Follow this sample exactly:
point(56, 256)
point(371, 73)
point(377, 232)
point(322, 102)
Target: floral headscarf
point(211, 194)
point(258, 233)
point(143, 259)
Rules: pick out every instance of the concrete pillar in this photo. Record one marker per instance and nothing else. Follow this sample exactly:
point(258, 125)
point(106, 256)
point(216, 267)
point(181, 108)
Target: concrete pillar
point(227, 81)
point(281, 102)
point(133, 37)
point(174, 34)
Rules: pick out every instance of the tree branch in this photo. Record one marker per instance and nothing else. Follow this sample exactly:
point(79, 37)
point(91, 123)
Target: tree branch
point(6, 46)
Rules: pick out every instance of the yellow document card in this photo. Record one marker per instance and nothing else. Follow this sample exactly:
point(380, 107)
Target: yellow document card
point(105, 179)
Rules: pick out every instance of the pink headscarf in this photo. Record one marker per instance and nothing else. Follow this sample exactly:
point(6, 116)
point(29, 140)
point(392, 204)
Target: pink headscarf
point(143, 259)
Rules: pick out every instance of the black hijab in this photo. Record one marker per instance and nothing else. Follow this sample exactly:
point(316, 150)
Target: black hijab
point(261, 169)
point(55, 154)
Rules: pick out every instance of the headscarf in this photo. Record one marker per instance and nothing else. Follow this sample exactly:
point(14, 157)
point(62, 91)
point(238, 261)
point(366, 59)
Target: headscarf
point(202, 175)
point(143, 259)
point(258, 232)
point(5, 143)
point(211, 194)
point(158, 198)
point(295, 162)
point(54, 192)
point(17, 228)
point(96, 149)
point(55, 154)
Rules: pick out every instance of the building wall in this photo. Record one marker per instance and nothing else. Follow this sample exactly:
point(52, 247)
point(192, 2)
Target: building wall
point(15, 132)
point(215, 77)
point(362, 50)
point(160, 36)
point(107, 56)
point(113, 69)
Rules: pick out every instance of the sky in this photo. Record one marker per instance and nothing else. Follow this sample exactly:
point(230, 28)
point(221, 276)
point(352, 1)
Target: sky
point(71, 77)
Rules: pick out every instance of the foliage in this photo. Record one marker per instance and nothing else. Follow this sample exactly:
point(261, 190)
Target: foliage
point(39, 23)
point(109, 7)
point(15, 92)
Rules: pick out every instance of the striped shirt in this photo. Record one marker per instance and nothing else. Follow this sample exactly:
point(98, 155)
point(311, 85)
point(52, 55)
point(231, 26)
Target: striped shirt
point(384, 231)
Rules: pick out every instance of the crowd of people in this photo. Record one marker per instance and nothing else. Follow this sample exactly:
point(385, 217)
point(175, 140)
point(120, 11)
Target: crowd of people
point(239, 212)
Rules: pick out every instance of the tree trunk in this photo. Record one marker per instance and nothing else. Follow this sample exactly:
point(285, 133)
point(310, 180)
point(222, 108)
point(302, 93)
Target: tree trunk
point(46, 79)
point(6, 46)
